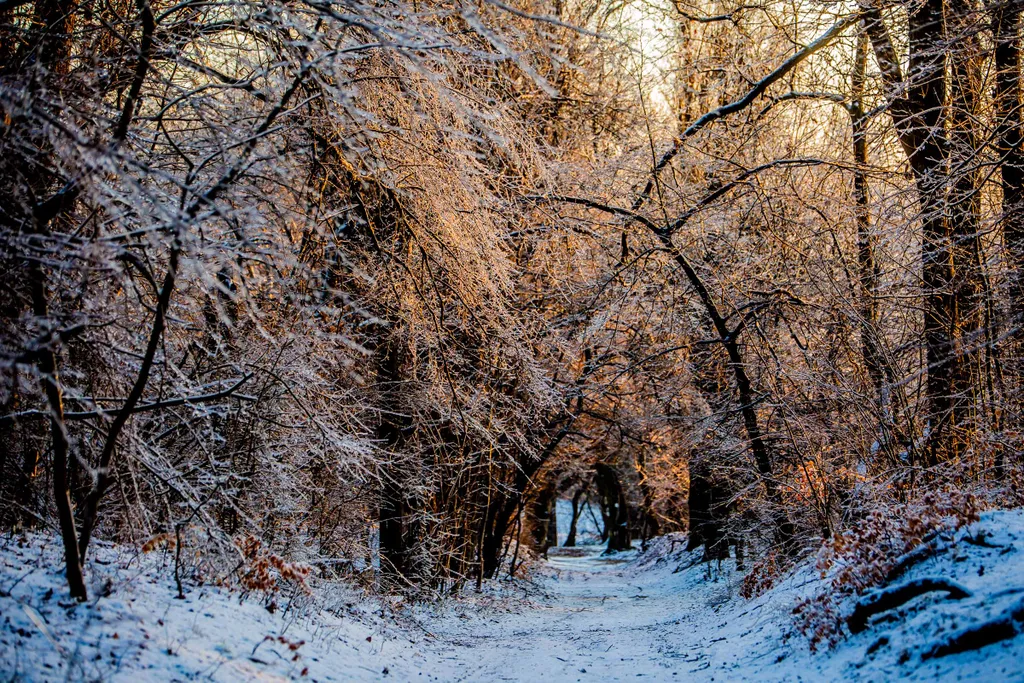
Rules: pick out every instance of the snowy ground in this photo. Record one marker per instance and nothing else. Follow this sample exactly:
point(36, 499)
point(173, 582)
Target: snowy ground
point(584, 617)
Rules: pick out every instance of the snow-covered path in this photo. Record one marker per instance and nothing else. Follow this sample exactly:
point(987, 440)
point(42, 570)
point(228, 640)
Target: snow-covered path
point(659, 616)
point(597, 619)
point(664, 616)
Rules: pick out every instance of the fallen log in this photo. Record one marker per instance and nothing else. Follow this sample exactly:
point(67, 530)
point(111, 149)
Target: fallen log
point(894, 596)
point(928, 549)
point(1008, 624)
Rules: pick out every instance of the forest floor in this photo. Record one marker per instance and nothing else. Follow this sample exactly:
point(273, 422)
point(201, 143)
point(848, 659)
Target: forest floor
point(659, 615)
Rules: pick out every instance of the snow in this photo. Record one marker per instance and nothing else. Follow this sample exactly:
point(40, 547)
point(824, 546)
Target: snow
point(588, 527)
point(582, 616)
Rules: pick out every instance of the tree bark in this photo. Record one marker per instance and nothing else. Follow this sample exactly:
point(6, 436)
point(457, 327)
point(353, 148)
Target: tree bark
point(709, 514)
point(47, 364)
point(577, 508)
point(54, 20)
point(541, 517)
point(869, 272)
point(949, 270)
point(1006, 26)
point(784, 529)
point(614, 508)
point(890, 399)
point(396, 512)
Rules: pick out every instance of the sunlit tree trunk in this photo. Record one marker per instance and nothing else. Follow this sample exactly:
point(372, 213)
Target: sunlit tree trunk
point(964, 211)
point(866, 260)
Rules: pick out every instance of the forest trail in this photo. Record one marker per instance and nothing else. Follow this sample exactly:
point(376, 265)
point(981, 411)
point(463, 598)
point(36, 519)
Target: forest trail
point(600, 618)
point(664, 615)
point(661, 615)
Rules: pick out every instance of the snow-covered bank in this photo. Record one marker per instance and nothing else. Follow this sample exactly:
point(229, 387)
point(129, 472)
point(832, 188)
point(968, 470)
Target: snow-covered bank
point(584, 617)
point(139, 631)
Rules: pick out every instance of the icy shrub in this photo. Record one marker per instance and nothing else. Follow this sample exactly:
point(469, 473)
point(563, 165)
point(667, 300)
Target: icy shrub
point(268, 572)
point(763, 574)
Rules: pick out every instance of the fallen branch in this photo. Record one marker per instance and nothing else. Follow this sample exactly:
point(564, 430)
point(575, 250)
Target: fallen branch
point(982, 541)
point(1007, 625)
point(927, 550)
point(894, 596)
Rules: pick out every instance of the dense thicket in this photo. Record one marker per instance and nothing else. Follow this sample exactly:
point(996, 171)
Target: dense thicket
point(375, 283)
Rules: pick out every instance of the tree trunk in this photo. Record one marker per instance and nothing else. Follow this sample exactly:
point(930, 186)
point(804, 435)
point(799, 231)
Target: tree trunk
point(709, 513)
point(55, 21)
point(395, 515)
point(541, 519)
point(59, 441)
point(729, 339)
point(1006, 28)
point(1006, 25)
point(869, 272)
point(614, 508)
point(507, 501)
point(648, 521)
point(949, 266)
point(963, 216)
point(577, 508)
